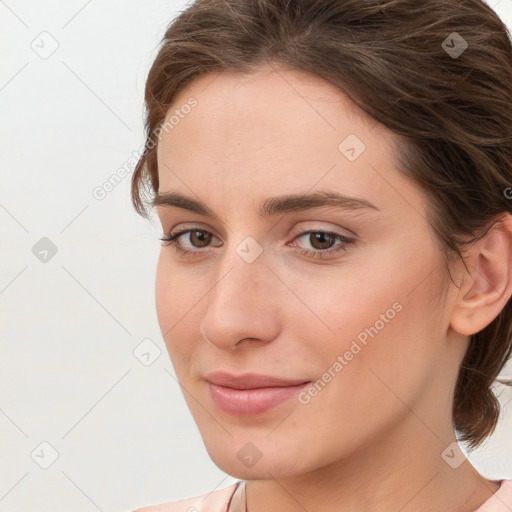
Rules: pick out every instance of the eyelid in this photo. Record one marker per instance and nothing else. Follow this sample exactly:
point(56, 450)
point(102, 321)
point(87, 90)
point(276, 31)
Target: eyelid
point(313, 226)
point(298, 230)
point(193, 226)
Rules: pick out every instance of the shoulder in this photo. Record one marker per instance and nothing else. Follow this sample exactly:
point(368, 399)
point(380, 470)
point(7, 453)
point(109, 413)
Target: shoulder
point(501, 501)
point(215, 501)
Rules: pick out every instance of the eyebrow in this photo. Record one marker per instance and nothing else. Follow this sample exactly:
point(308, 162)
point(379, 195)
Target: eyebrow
point(271, 205)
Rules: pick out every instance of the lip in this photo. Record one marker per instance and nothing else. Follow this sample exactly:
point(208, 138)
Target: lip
point(251, 394)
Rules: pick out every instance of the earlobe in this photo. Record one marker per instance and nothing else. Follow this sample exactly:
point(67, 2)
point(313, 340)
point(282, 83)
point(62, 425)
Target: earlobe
point(487, 287)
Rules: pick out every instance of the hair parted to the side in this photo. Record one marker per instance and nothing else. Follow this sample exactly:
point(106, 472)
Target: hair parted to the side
point(453, 116)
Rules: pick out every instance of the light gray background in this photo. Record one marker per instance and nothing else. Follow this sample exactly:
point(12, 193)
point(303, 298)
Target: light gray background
point(70, 324)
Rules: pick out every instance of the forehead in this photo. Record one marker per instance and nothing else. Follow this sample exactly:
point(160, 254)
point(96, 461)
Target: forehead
point(271, 95)
point(271, 104)
point(272, 129)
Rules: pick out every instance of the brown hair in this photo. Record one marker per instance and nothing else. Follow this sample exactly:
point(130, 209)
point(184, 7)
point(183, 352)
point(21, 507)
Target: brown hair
point(392, 58)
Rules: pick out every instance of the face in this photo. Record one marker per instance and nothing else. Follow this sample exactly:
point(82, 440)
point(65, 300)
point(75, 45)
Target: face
point(345, 297)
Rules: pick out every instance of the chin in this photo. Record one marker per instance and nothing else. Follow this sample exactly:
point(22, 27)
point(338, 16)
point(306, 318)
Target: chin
point(261, 460)
point(261, 471)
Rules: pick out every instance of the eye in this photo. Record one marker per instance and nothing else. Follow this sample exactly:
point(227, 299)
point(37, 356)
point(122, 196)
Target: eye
point(322, 243)
point(199, 238)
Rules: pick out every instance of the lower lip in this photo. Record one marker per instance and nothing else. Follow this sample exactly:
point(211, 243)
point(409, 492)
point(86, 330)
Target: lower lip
point(250, 402)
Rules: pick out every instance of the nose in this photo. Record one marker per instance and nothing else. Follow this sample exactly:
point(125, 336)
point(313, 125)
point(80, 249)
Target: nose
point(243, 306)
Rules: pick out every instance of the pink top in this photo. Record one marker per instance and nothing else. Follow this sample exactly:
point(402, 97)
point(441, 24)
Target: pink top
point(232, 499)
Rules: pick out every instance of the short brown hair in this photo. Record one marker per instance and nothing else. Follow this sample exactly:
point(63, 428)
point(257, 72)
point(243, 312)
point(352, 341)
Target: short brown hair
point(392, 58)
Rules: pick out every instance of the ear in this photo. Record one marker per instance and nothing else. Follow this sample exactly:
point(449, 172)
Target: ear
point(487, 287)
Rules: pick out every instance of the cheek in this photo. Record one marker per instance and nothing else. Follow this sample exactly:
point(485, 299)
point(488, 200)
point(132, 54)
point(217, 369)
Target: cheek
point(176, 293)
point(173, 308)
point(163, 294)
point(370, 371)
point(382, 325)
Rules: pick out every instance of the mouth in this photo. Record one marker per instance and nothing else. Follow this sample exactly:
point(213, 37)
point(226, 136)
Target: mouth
point(251, 394)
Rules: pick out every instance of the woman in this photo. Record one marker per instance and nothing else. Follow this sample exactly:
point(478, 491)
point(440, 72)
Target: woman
point(333, 179)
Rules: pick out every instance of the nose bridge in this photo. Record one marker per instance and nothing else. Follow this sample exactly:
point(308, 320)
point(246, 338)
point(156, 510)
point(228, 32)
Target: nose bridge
point(243, 270)
point(241, 304)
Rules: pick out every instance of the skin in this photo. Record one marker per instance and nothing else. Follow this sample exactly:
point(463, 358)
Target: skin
point(373, 437)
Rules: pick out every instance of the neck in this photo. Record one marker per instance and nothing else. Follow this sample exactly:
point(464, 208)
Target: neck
point(404, 472)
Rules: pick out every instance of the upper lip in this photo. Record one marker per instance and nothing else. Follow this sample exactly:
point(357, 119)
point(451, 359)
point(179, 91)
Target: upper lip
point(250, 380)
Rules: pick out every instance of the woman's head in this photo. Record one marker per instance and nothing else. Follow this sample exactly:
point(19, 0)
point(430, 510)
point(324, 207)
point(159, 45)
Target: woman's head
point(378, 101)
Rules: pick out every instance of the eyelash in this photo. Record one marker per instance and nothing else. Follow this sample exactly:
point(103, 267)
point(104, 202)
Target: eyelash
point(347, 243)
